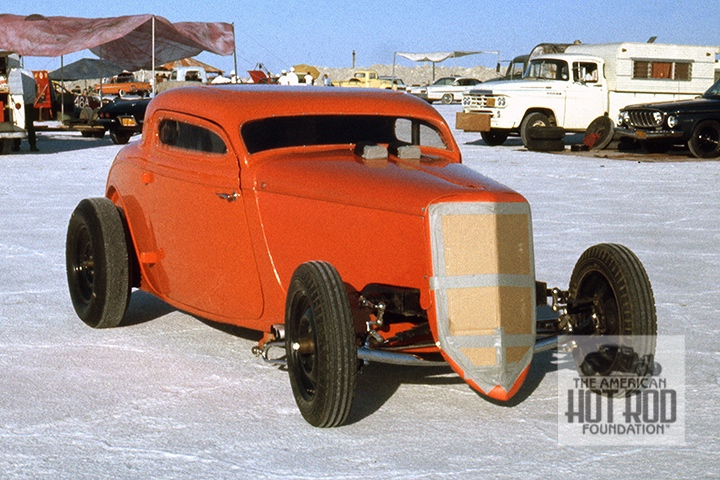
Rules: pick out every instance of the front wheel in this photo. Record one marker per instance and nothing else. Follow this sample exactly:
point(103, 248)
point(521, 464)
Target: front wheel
point(494, 137)
point(535, 119)
point(705, 140)
point(98, 263)
point(613, 309)
point(320, 344)
point(447, 99)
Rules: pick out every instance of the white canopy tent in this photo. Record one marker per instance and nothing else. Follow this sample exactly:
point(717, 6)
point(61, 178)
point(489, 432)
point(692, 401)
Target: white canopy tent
point(437, 57)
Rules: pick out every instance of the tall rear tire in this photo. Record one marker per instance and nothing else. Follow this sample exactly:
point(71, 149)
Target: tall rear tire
point(615, 323)
point(320, 344)
point(98, 263)
point(494, 137)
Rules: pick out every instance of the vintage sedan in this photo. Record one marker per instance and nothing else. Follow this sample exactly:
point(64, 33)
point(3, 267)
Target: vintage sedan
point(445, 90)
point(123, 118)
point(342, 224)
point(659, 126)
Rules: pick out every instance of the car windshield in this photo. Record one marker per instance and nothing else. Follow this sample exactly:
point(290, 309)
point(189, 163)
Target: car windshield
point(306, 130)
point(714, 91)
point(547, 69)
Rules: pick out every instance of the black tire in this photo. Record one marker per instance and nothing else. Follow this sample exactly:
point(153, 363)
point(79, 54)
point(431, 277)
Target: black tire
point(534, 119)
point(120, 138)
point(656, 146)
point(447, 99)
point(545, 145)
point(320, 344)
point(494, 137)
point(599, 133)
point(705, 140)
point(546, 133)
point(98, 263)
point(615, 323)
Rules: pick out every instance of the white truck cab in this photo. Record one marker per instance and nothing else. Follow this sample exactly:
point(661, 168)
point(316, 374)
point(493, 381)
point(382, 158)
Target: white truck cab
point(12, 104)
point(573, 88)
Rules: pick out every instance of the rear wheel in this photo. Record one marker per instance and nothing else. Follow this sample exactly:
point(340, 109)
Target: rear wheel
point(613, 308)
point(705, 140)
point(120, 138)
point(320, 344)
point(98, 263)
point(535, 119)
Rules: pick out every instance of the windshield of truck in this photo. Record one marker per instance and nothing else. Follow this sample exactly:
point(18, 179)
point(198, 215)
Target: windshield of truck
point(714, 91)
point(547, 69)
point(307, 130)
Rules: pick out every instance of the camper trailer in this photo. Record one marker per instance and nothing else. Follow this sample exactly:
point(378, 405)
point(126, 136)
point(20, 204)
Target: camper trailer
point(573, 88)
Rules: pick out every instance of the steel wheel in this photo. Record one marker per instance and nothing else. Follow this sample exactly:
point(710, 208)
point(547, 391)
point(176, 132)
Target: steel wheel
point(447, 98)
point(534, 119)
point(320, 344)
point(613, 310)
point(98, 263)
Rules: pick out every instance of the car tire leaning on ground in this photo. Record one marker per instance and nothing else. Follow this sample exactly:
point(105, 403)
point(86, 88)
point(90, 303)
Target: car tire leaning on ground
point(546, 133)
point(602, 130)
point(98, 263)
point(535, 119)
point(447, 99)
point(320, 344)
point(705, 140)
point(615, 319)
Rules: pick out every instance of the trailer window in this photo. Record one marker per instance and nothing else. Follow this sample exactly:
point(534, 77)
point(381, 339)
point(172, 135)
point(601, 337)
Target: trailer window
point(662, 69)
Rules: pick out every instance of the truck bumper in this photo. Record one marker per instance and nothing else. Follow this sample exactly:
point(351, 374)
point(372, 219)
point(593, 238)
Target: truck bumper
point(473, 122)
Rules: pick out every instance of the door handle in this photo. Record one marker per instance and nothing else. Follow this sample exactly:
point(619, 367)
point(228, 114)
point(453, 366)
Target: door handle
point(230, 197)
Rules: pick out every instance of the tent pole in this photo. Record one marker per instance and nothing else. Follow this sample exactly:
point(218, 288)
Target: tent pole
point(153, 56)
point(235, 78)
point(62, 91)
point(393, 71)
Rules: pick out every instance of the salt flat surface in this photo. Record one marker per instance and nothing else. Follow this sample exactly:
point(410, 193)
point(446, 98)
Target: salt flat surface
point(171, 396)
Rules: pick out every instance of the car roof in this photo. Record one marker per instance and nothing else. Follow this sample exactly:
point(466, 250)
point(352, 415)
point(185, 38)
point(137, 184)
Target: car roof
point(244, 103)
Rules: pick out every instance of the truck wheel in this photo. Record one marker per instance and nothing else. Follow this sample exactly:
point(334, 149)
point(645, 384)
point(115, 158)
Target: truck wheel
point(320, 344)
point(98, 263)
point(120, 138)
point(534, 119)
point(494, 137)
point(613, 307)
point(705, 140)
point(599, 133)
point(447, 99)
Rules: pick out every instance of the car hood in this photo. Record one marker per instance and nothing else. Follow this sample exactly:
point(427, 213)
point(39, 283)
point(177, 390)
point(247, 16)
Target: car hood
point(699, 104)
point(395, 185)
point(505, 87)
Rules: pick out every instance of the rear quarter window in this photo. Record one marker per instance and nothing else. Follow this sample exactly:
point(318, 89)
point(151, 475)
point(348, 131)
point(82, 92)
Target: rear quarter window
point(186, 136)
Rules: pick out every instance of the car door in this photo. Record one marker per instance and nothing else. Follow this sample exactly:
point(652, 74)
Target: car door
point(204, 258)
point(585, 95)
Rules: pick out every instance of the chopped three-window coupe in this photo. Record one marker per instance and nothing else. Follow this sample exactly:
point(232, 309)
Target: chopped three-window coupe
point(342, 224)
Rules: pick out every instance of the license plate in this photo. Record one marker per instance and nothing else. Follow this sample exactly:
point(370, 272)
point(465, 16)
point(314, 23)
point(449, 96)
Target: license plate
point(640, 134)
point(127, 121)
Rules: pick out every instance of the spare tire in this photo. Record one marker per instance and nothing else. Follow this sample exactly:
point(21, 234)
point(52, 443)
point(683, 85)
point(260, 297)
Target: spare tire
point(546, 133)
point(599, 133)
point(545, 145)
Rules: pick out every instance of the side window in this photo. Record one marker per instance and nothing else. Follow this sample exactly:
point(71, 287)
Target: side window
point(187, 136)
point(416, 133)
point(586, 72)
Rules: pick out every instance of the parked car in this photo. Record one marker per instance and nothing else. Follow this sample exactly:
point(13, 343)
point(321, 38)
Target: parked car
point(446, 90)
point(124, 84)
point(343, 226)
point(659, 126)
point(123, 118)
point(397, 83)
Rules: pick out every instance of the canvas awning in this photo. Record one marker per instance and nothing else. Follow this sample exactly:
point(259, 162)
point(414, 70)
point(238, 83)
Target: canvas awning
point(127, 41)
point(437, 57)
point(86, 68)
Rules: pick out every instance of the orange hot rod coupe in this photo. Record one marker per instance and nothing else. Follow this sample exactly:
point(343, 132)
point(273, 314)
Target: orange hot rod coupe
point(343, 225)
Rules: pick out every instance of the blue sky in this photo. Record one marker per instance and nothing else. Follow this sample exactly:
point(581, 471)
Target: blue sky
point(325, 33)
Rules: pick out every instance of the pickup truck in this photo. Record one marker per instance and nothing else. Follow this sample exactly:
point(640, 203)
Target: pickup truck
point(367, 79)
